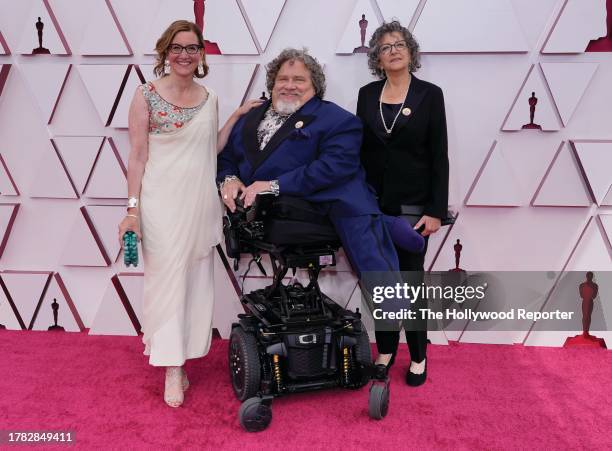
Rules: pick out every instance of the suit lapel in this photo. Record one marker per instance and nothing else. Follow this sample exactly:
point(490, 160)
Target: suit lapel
point(249, 131)
point(416, 93)
point(286, 130)
point(373, 110)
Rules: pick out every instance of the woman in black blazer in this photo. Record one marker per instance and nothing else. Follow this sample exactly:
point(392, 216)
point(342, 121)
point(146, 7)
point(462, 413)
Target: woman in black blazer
point(404, 153)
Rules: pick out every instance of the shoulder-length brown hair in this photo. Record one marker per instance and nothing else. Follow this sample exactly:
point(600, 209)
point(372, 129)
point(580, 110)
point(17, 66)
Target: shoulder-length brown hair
point(166, 39)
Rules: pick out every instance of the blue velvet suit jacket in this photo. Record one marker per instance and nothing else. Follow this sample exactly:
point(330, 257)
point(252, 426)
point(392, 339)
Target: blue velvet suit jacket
point(318, 161)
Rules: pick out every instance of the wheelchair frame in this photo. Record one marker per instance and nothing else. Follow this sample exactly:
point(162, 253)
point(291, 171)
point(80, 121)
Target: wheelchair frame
point(282, 322)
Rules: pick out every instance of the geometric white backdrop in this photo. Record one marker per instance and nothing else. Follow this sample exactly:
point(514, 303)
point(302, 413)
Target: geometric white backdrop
point(64, 143)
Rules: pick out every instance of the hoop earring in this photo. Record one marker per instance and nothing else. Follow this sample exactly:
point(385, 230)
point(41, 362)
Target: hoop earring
point(167, 69)
point(200, 68)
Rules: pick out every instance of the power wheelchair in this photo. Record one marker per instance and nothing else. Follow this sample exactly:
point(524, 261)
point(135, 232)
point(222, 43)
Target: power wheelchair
point(293, 338)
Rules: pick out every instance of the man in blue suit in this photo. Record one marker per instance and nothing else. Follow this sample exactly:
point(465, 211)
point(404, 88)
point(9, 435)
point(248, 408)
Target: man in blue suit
point(300, 145)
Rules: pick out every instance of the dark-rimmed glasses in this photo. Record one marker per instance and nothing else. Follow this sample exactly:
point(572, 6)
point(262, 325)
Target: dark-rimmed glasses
point(191, 49)
point(399, 46)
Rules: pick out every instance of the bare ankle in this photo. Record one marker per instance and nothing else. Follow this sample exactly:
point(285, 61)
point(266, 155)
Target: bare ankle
point(383, 359)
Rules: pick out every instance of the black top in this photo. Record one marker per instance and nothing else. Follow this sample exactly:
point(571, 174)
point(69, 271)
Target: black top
point(389, 111)
point(411, 166)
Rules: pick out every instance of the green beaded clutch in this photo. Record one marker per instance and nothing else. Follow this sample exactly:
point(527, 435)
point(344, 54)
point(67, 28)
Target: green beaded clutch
point(130, 249)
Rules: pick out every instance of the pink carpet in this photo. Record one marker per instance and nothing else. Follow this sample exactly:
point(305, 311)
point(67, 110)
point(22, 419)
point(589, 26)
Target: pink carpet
point(476, 397)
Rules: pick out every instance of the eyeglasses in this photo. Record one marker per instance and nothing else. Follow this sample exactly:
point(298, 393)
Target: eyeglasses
point(191, 49)
point(399, 46)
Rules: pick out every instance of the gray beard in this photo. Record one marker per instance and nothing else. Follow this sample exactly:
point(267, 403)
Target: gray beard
point(286, 108)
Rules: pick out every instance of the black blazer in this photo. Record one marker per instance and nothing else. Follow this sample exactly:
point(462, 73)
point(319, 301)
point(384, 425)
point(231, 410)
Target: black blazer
point(410, 168)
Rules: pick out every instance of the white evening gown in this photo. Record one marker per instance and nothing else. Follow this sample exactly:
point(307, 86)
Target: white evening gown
point(180, 214)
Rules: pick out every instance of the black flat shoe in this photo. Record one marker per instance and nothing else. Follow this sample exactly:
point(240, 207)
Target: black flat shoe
point(414, 380)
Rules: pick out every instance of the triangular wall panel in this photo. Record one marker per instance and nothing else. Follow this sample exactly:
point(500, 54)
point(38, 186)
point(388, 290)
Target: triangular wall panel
point(471, 26)
point(534, 17)
point(104, 35)
point(7, 183)
point(46, 82)
point(563, 184)
point(568, 83)
point(52, 36)
point(108, 177)
point(168, 12)
point(496, 184)
point(79, 154)
point(263, 16)
point(133, 286)
point(402, 10)
point(51, 179)
point(231, 40)
point(608, 199)
point(67, 314)
point(121, 142)
point(112, 318)
point(591, 253)
point(103, 83)
point(105, 219)
point(580, 22)
point(351, 38)
point(8, 213)
point(8, 318)
point(26, 289)
point(596, 160)
point(120, 118)
point(230, 81)
point(545, 111)
point(606, 222)
point(4, 48)
point(4, 71)
point(83, 247)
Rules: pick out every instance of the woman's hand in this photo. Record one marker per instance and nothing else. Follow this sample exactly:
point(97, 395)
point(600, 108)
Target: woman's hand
point(431, 225)
point(229, 192)
point(248, 106)
point(224, 133)
point(129, 223)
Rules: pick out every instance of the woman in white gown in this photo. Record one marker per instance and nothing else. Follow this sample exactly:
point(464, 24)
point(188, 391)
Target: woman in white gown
point(173, 202)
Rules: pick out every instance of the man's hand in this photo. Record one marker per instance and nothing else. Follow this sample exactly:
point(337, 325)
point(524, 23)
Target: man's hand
point(230, 191)
point(251, 191)
point(431, 225)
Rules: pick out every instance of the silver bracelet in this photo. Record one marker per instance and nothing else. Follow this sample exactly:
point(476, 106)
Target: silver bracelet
point(228, 178)
point(132, 202)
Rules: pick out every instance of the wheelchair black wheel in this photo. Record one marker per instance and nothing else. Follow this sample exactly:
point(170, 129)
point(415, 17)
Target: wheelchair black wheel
point(362, 352)
point(244, 364)
point(254, 415)
point(378, 404)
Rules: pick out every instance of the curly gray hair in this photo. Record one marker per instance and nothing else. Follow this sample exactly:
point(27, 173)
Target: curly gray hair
point(374, 52)
point(316, 70)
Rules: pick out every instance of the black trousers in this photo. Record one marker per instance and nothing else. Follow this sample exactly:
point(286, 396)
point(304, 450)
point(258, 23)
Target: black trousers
point(387, 341)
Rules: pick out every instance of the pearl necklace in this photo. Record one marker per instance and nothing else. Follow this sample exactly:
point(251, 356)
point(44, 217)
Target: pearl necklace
point(380, 102)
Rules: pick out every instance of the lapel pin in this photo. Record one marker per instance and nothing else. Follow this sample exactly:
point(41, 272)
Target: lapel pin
point(299, 124)
point(406, 111)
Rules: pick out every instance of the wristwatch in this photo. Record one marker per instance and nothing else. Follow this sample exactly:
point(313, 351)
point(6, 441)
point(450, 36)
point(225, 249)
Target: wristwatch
point(274, 187)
